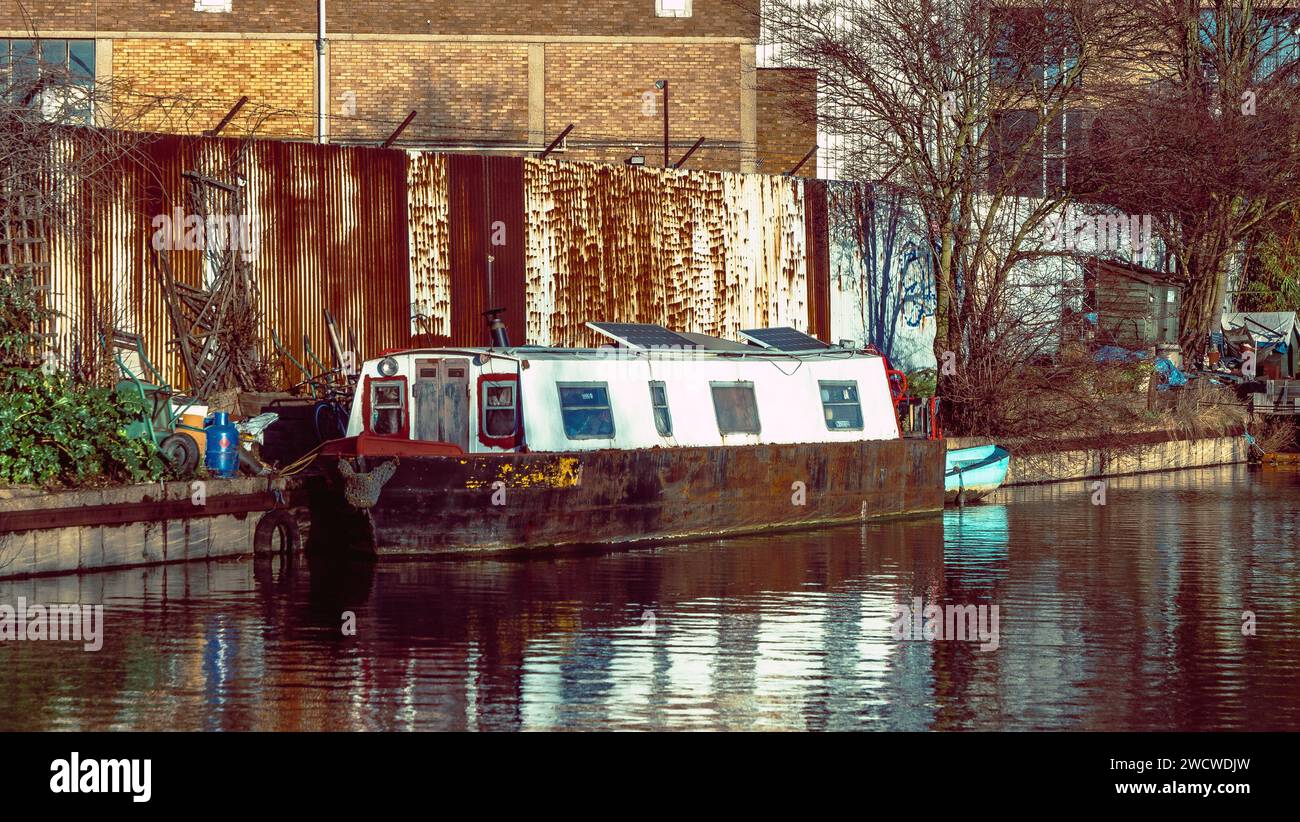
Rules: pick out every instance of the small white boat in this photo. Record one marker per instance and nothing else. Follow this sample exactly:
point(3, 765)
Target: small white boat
point(974, 473)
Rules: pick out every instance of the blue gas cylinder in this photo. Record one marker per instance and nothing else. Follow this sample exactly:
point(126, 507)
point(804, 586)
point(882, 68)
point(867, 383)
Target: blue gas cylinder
point(222, 457)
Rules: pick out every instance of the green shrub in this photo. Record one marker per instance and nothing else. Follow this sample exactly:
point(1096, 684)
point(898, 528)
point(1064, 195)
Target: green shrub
point(921, 383)
point(53, 429)
point(56, 432)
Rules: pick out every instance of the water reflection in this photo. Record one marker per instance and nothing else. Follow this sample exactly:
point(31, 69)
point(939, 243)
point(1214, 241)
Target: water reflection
point(1123, 615)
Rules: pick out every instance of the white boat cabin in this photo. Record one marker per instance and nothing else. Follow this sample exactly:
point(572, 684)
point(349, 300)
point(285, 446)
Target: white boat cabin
point(626, 397)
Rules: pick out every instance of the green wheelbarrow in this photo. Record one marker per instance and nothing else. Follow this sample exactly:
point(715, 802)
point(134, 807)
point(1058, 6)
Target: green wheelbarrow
point(160, 420)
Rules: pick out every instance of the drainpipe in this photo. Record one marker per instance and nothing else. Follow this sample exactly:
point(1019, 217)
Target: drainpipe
point(320, 71)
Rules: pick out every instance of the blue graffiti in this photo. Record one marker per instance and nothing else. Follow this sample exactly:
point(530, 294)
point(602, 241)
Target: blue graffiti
point(918, 298)
point(889, 263)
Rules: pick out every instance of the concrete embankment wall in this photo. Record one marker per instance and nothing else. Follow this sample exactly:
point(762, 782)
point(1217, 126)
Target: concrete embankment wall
point(164, 522)
point(1077, 464)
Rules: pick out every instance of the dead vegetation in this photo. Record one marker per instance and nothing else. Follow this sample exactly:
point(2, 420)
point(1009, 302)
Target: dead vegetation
point(1274, 434)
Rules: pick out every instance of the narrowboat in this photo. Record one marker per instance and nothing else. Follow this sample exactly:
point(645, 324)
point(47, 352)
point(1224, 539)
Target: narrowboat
point(658, 436)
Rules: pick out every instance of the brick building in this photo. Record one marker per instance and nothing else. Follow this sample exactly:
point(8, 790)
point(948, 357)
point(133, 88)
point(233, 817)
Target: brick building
point(491, 75)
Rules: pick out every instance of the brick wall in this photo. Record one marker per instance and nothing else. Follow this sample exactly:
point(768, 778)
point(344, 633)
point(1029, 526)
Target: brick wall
point(477, 90)
point(607, 91)
point(786, 113)
point(461, 91)
point(517, 17)
point(208, 77)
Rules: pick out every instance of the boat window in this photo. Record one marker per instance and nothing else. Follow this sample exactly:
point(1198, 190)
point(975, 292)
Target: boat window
point(387, 406)
point(735, 407)
point(840, 403)
point(499, 409)
point(659, 402)
point(585, 409)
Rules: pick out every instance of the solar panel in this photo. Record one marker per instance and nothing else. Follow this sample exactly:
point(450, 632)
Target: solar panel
point(710, 343)
point(642, 335)
point(783, 338)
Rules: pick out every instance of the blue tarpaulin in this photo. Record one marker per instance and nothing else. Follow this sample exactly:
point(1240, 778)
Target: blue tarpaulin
point(1113, 353)
point(1172, 376)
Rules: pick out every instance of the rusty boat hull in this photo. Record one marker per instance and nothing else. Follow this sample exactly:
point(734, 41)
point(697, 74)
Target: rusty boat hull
point(432, 504)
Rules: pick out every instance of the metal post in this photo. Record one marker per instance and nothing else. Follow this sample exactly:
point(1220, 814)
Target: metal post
point(556, 142)
point(663, 84)
point(321, 79)
point(392, 138)
point(688, 153)
point(799, 165)
point(230, 115)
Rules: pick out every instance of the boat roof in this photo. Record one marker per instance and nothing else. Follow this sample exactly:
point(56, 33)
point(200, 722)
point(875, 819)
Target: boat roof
point(539, 352)
point(634, 341)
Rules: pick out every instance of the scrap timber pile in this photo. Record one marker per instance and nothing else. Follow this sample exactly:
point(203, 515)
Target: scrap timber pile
point(217, 328)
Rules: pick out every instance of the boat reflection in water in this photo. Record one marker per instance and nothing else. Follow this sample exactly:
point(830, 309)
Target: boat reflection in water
point(1118, 616)
point(979, 531)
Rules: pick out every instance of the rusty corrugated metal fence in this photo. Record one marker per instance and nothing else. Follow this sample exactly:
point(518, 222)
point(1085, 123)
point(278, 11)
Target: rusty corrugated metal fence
point(406, 247)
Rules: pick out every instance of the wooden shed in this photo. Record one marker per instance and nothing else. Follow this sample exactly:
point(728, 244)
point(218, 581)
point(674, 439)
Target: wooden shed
point(1135, 307)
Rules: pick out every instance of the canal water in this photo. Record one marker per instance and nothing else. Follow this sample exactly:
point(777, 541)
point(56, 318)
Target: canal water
point(1127, 615)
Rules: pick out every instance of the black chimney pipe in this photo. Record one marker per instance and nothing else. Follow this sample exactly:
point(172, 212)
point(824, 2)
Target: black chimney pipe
point(497, 328)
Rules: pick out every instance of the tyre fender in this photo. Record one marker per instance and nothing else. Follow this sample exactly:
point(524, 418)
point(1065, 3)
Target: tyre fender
point(272, 521)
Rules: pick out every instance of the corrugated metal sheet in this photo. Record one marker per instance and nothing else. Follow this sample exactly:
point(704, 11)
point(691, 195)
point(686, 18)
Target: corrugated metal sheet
point(332, 229)
point(429, 229)
point(816, 225)
point(487, 245)
point(397, 245)
point(467, 245)
point(696, 251)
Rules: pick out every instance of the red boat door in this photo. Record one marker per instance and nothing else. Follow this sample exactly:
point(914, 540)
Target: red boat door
point(442, 401)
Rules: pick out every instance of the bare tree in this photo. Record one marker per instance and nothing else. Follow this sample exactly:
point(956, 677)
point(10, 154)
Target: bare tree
point(970, 112)
point(51, 164)
point(1206, 138)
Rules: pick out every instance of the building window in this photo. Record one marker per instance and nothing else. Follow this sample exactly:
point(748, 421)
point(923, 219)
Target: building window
point(659, 402)
point(387, 406)
point(840, 403)
point(584, 407)
point(1033, 49)
point(214, 6)
point(58, 76)
point(1047, 161)
point(499, 409)
point(672, 8)
point(1035, 54)
point(735, 407)
point(1275, 42)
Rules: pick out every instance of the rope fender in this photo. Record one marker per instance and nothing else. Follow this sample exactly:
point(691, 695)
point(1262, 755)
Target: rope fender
point(361, 489)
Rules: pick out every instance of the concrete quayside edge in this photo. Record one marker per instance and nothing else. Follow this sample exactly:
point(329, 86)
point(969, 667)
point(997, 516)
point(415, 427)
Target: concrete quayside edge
point(140, 525)
point(135, 525)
